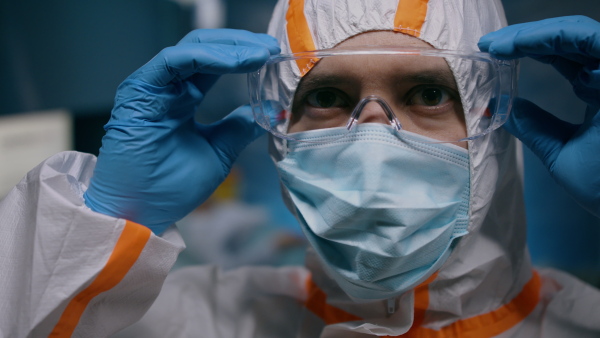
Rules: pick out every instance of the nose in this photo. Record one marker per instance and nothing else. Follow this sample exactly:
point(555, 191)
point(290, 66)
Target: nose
point(374, 109)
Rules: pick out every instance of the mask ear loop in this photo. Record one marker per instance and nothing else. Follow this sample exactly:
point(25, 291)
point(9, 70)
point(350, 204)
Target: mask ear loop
point(393, 121)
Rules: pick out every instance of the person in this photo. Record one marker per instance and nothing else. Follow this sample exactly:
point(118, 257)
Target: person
point(87, 243)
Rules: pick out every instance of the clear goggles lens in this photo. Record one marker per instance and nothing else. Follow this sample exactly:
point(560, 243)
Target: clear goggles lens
point(447, 96)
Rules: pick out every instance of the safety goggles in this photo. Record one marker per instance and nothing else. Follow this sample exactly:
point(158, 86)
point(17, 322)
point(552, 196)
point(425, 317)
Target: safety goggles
point(447, 96)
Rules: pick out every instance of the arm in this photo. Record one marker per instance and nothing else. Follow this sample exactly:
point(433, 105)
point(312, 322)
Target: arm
point(66, 269)
point(89, 261)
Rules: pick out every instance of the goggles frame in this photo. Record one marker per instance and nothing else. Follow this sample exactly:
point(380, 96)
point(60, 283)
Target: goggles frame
point(505, 88)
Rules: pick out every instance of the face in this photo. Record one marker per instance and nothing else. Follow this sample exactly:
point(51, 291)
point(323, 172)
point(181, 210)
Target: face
point(421, 91)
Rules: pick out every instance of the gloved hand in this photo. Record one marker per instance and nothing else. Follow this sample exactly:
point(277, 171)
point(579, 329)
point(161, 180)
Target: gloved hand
point(156, 163)
point(570, 152)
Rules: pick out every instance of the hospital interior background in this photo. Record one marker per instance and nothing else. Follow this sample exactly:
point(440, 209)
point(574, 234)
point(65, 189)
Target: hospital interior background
point(60, 65)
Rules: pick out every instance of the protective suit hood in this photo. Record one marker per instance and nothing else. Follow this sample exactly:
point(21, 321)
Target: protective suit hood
point(489, 266)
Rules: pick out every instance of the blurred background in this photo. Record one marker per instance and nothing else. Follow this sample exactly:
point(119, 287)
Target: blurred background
point(61, 62)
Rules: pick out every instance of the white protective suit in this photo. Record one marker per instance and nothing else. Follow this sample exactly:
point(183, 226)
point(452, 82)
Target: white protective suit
point(69, 271)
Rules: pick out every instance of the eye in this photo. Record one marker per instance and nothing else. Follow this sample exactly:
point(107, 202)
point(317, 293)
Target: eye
point(430, 96)
point(326, 98)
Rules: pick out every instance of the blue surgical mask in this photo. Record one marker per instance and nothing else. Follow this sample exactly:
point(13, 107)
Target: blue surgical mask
point(381, 208)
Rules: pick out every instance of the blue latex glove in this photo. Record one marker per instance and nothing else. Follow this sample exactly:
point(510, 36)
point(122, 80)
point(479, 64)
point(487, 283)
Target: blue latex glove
point(570, 152)
point(156, 163)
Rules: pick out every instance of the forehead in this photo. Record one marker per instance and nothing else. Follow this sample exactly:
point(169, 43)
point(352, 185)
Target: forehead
point(381, 68)
point(382, 38)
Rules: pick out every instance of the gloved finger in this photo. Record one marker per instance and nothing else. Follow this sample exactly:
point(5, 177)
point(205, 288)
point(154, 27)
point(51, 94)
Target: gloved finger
point(233, 133)
point(182, 61)
point(541, 131)
point(563, 36)
point(500, 43)
point(232, 37)
point(556, 36)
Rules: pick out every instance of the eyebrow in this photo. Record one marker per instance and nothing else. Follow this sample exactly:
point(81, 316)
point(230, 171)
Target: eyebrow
point(321, 81)
point(429, 76)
